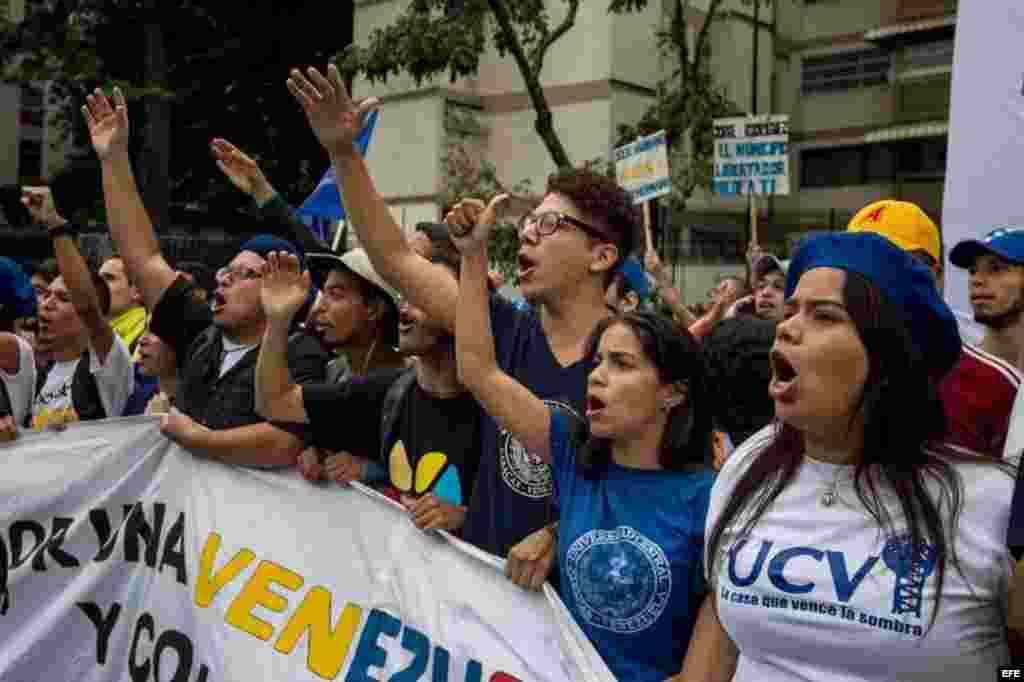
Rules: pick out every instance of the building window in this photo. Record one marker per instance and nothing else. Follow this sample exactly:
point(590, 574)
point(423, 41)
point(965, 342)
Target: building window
point(845, 71)
point(874, 163)
point(928, 55)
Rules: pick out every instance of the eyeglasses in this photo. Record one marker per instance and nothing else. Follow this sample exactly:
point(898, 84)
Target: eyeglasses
point(227, 276)
point(547, 223)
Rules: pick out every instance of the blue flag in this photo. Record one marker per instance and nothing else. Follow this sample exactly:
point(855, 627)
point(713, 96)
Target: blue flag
point(325, 201)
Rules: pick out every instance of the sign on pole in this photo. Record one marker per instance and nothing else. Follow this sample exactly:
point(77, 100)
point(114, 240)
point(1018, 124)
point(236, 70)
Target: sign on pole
point(641, 167)
point(752, 155)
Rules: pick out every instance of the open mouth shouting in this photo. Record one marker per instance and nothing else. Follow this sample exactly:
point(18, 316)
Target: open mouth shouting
point(526, 266)
point(784, 377)
point(405, 322)
point(595, 406)
point(218, 302)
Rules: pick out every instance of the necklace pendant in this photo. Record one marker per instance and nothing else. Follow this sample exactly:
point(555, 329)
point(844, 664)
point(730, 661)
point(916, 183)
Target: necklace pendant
point(828, 498)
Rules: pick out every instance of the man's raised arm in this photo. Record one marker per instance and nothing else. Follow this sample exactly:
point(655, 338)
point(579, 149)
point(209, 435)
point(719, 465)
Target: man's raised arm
point(337, 120)
point(129, 222)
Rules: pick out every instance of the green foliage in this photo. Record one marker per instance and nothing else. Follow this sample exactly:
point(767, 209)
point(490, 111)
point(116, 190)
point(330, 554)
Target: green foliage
point(688, 101)
point(225, 64)
point(468, 176)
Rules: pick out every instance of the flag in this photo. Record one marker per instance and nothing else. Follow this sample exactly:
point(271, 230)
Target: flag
point(325, 201)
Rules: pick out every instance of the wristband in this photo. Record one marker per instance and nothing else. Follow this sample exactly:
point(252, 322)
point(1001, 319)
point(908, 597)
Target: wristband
point(62, 230)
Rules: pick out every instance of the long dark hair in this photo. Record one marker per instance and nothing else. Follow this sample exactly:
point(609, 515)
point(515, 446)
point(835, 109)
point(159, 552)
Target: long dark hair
point(899, 454)
point(686, 442)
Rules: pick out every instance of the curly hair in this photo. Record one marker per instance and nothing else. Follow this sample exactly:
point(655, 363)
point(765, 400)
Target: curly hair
point(736, 352)
point(601, 197)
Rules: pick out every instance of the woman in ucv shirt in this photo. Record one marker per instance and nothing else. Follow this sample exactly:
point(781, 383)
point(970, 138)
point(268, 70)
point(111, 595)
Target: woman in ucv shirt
point(843, 542)
point(633, 492)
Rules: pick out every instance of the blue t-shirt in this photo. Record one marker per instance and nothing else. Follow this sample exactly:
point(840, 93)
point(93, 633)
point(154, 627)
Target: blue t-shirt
point(512, 495)
point(629, 550)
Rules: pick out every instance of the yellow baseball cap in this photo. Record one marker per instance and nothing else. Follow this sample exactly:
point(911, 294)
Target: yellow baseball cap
point(902, 223)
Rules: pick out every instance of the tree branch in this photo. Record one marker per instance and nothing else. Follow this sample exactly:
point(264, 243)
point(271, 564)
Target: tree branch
point(553, 37)
point(702, 37)
point(504, 19)
point(545, 121)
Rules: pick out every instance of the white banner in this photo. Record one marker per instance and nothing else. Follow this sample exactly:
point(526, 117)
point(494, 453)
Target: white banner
point(641, 167)
point(752, 155)
point(129, 559)
point(985, 162)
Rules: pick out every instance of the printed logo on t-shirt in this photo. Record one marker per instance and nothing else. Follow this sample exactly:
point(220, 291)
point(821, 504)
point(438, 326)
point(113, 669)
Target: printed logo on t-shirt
point(822, 583)
point(523, 471)
point(621, 580)
point(433, 473)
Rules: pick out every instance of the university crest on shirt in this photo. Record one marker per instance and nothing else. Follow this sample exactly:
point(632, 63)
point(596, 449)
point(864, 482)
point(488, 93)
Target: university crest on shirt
point(523, 471)
point(621, 580)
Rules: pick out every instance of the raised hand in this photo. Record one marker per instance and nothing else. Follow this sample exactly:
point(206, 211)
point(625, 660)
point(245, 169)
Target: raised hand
point(652, 263)
point(754, 253)
point(335, 119)
point(108, 125)
point(285, 287)
point(470, 222)
point(39, 202)
point(241, 170)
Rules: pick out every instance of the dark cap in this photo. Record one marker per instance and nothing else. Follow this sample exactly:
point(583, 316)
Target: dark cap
point(904, 281)
point(1007, 242)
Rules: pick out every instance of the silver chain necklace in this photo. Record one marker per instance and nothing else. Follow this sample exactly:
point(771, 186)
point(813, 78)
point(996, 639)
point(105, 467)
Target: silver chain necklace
point(828, 498)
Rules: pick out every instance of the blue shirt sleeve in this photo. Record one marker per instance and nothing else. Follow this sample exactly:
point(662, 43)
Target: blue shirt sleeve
point(563, 451)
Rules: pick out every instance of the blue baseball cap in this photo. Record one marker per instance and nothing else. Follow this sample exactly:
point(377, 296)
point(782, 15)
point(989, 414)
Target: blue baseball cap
point(904, 281)
point(17, 297)
point(633, 271)
point(263, 244)
point(1006, 242)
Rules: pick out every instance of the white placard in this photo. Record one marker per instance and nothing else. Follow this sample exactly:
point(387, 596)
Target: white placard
point(641, 167)
point(752, 155)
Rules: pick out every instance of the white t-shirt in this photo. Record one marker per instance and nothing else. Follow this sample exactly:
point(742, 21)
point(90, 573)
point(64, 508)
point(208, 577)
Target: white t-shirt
point(21, 385)
point(233, 353)
point(114, 381)
point(817, 592)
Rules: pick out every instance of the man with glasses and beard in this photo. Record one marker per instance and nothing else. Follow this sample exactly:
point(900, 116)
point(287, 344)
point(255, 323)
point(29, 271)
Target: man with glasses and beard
point(216, 346)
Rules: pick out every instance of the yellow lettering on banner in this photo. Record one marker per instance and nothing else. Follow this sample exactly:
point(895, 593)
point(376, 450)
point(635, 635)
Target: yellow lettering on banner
point(327, 646)
point(208, 584)
point(256, 593)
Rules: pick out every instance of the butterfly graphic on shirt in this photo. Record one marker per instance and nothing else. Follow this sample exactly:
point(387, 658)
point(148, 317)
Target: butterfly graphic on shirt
point(433, 473)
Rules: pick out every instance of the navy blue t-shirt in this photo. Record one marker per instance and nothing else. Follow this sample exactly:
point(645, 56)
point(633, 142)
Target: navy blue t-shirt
point(512, 495)
point(629, 549)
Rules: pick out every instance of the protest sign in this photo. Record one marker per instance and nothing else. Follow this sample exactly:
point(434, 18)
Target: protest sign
point(751, 155)
point(124, 557)
point(641, 167)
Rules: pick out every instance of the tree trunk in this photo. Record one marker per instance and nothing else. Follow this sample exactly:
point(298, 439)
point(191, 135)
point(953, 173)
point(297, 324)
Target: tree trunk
point(155, 158)
point(546, 129)
point(544, 125)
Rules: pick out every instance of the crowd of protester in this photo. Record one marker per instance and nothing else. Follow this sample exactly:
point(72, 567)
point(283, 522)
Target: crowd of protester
point(802, 478)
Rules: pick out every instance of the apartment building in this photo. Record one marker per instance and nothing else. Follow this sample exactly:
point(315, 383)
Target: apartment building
point(867, 86)
point(865, 82)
